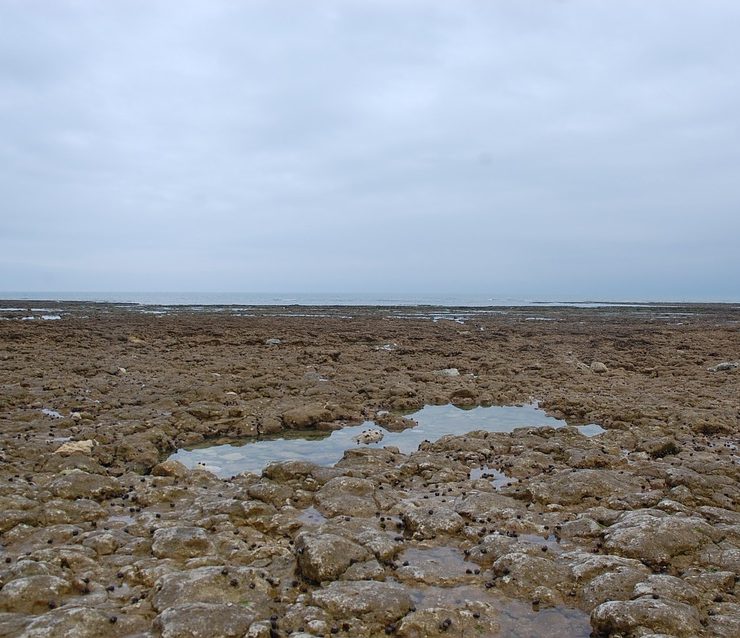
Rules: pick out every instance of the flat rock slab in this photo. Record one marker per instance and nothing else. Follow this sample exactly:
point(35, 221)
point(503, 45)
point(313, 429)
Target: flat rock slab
point(373, 601)
point(204, 620)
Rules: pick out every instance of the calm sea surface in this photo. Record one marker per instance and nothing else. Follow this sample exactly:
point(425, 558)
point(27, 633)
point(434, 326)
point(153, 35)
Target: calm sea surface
point(309, 299)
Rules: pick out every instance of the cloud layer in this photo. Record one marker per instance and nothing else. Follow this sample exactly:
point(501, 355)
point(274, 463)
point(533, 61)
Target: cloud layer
point(524, 147)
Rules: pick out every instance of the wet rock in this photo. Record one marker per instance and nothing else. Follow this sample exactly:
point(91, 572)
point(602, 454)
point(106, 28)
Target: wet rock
point(478, 619)
point(668, 587)
point(655, 537)
point(645, 615)
point(33, 593)
point(583, 527)
point(211, 585)
point(181, 542)
point(616, 584)
point(450, 372)
point(523, 573)
point(440, 566)
point(347, 495)
point(326, 556)
point(204, 620)
point(307, 416)
point(599, 367)
point(74, 447)
point(724, 621)
point(371, 600)
point(488, 504)
point(170, 468)
point(369, 436)
point(725, 366)
point(79, 484)
point(70, 622)
point(368, 570)
point(426, 523)
point(63, 511)
point(573, 487)
point(270, 492)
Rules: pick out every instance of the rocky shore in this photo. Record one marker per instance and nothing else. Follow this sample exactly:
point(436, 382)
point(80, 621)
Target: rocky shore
point(635, 532)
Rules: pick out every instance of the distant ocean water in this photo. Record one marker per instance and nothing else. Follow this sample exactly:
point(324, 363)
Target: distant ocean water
point(315, 299)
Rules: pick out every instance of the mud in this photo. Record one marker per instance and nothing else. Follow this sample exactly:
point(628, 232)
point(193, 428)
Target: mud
point(631, 532)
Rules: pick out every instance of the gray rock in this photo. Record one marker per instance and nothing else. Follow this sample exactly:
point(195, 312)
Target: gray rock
point(307, 416)
point(79, 484)
point(181, 542)
point(440, 621)
point(725, 366)
point(69, 622)
point(33, 593)
point(211, 585)
point(668, 587)
point(372, 601)
point(644, 615)
point(655, 537)
point(429, 522)
point(523, 573)
point(326, 556)
point(599, 367)
point(170, 468)
point(347, 496)
point(204, 620)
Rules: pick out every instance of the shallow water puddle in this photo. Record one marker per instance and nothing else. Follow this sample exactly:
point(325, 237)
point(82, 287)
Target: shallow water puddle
point(326, 448)
point(497, 479)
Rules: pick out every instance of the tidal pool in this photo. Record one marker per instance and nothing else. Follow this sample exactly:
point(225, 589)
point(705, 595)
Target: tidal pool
point(326, 448)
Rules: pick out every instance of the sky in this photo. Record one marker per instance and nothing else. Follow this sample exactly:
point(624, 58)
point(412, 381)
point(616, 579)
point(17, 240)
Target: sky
point(526, 147)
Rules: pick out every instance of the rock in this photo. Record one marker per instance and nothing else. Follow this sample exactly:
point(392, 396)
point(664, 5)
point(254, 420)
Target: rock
point(79, 484)
point(33, 593)
point(450, 372)
point(477, 619)
point(368, 570)
point(583, 527)
point(370, 600)
point(369, 436)
point(347, 495)
point(670, 587)
point(428, 523)
point(273, 342)
point(633, 617)
point(211, 585)
point(170, 468)
point(204, 620)
point(307, 416)
point(655, 537)
point(181, 542)
point(524, 573)
point(326, 556)
point(724, 621)
point(74, 447)
point(573, 487)
point(617, 584)
point(599, 367)
point(69, 622)
point(725, 366)
point(439, 566)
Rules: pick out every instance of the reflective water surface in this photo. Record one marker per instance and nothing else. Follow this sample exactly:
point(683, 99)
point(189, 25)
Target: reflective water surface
point(326, 448)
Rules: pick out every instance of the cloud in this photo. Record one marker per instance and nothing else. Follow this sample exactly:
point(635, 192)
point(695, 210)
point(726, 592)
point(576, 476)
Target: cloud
point(588, 148)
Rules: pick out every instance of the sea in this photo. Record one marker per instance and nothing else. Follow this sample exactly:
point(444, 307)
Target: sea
point(452, 300)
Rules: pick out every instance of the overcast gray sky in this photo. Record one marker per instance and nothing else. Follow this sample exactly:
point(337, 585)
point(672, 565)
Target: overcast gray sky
point(573, 147)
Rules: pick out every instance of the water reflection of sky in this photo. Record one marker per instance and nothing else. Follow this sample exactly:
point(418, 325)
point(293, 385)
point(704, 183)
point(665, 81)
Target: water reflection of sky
point(326, 448)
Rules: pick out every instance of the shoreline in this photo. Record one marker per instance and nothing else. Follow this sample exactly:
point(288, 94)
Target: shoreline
point(647, 508)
